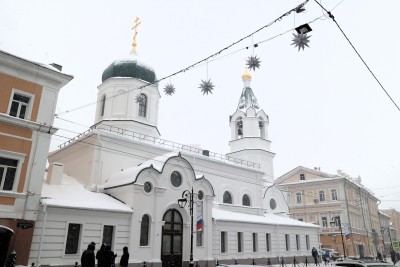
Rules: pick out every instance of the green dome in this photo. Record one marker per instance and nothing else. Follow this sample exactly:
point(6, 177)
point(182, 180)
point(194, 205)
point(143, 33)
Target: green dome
point(130, 68)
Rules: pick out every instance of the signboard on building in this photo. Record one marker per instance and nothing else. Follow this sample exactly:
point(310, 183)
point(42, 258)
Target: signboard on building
point(396, 244)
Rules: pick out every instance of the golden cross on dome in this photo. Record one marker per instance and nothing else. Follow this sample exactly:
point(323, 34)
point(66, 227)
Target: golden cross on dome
point(134, 44)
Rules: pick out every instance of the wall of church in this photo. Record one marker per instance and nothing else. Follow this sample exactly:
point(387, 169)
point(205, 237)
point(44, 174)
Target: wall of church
point(50, 248)
point(259, 249)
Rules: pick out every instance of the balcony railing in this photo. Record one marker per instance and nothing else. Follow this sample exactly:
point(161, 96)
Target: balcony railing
point(164, 143)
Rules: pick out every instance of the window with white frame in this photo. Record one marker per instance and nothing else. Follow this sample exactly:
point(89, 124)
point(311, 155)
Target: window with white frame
point(298, 242)
point(102, 105)
point(307, 242)
point(302, 176)
point(199, 238)
point(246, 200)
point(144, 230)
point(321, 196)
point(298, 198)
point(108, 233)
point(287, 242)
point(20, 105)
point(240, 241)
point(268, 241)
point(334, 194)
point(142, 105)
point(255, 242)
point(73, 235)
point(224, 242)
point(227, 198)
point(324, 220)
point(9, 170)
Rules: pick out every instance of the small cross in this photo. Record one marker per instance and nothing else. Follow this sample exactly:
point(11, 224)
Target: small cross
point(135, 27)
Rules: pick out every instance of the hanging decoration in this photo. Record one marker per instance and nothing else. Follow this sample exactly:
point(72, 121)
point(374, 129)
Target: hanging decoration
point(300, 40)
point(169, 89)
point(139, 99)
point(206, 86)
point(253, 62)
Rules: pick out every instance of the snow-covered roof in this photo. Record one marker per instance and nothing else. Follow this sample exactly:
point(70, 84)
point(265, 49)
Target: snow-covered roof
point(223, 215)
point(129, 175)
point(71, 194)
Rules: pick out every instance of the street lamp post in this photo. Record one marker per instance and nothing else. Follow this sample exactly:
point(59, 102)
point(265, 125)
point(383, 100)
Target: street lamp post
point(188, 196)
point(335, 221)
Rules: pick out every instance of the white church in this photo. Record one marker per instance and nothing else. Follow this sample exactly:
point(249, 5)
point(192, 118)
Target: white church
point(119, 183)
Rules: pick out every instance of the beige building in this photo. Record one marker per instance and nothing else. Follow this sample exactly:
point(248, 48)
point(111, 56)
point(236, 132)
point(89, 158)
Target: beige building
point(28, 96)
point(322, 198)
point(391, 228)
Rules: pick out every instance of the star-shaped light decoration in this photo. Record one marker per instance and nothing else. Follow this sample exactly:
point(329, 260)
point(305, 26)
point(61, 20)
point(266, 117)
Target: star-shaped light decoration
point(139, 99)
point(169, 89)
point(253, 62)
point(300, 40)
point(206, 86)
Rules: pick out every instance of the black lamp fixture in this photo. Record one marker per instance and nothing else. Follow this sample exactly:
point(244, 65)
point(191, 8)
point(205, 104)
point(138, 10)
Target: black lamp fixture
point(305, 28)
point(334, 222)
point(182, 202)
point(188, 196)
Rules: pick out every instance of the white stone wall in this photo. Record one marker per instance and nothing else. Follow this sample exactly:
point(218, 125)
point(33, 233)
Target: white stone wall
point(52, 243)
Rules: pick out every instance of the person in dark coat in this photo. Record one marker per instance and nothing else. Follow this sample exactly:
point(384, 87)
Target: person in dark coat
point(100, 255)
point(109, 257)
point(125, 258)
point(379, 256)
point(11, 259)
point(393, 256)
point(314, 253)
point(87, 259)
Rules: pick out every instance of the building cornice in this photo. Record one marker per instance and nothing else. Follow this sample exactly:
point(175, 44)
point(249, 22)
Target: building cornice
point(31, 125)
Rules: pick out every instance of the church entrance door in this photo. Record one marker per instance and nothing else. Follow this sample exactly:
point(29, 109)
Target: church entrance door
point(171, 246)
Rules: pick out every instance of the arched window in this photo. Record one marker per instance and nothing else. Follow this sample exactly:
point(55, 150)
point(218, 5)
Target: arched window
point(239, 125)
point(142, 105)
point(103, 105)
point(227, 198)
point(246, 200)
point(262, 127)
point(144, 230)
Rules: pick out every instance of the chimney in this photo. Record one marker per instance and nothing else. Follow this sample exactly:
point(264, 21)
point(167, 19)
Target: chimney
point(54, 173)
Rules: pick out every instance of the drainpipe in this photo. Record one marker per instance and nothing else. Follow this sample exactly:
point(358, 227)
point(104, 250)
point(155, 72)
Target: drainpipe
point(42, 234)
point(279, 251)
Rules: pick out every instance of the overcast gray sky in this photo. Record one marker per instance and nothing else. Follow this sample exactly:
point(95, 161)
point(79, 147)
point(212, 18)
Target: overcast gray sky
point(325, 108)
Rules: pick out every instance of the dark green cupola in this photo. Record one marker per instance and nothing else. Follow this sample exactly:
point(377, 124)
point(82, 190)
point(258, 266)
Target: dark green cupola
point(129, 68)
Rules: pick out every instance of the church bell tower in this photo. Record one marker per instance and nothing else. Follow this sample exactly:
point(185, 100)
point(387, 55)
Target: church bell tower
point(249, 131)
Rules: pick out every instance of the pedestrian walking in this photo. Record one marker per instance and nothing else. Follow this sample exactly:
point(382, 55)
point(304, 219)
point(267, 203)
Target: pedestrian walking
point(326, 257)
point(314, 253)
point(11, 259)
point(125, 258)
point(88, 259)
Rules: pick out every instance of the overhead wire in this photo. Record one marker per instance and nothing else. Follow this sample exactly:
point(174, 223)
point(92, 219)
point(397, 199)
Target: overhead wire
point(358, 54)
point(196, 63)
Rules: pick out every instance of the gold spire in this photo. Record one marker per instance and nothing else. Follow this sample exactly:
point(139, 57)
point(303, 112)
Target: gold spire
point(134, 44)
point(246, 74)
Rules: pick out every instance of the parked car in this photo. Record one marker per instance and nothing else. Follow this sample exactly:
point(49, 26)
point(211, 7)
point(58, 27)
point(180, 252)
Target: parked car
point(357, 263)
